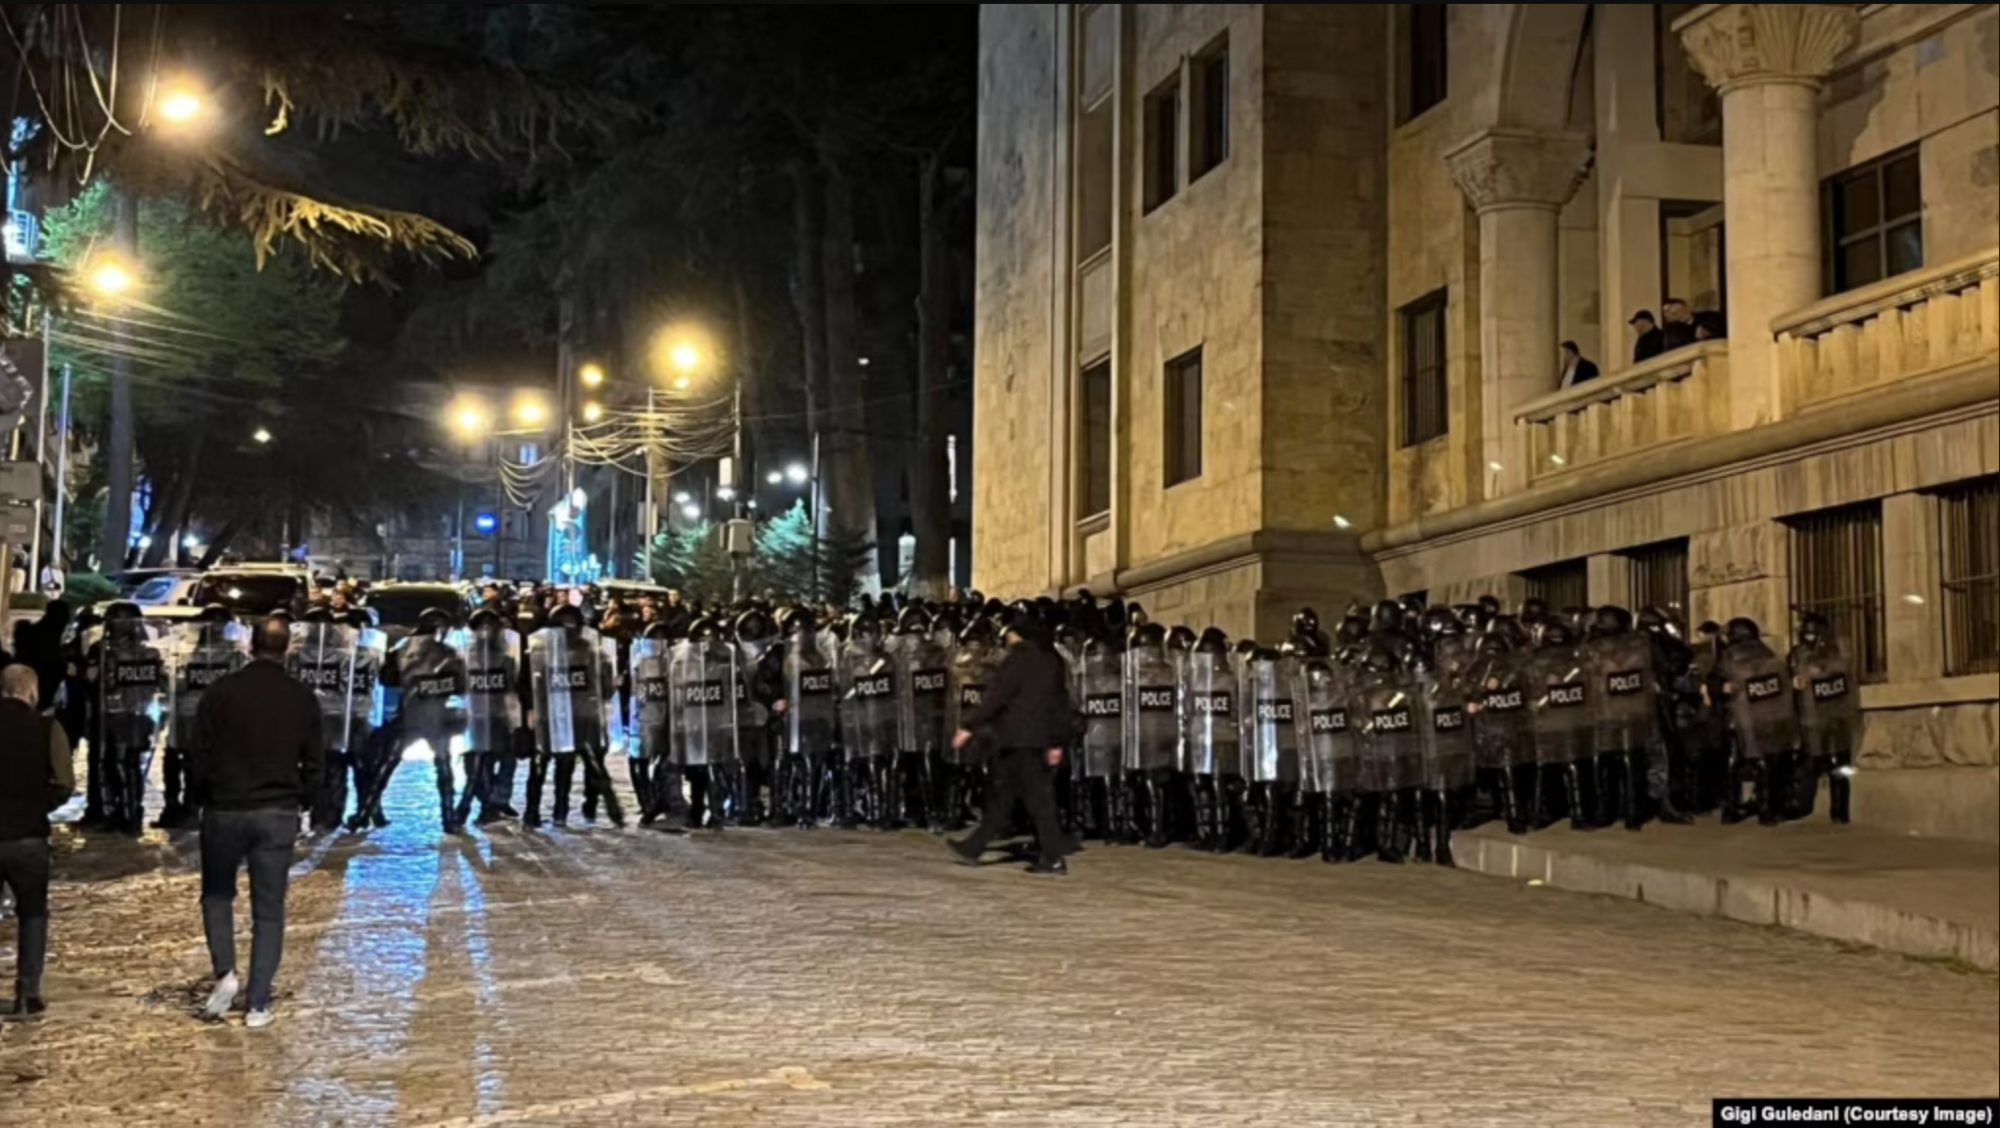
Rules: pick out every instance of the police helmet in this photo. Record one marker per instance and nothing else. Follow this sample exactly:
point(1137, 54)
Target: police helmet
point(484, 619)
point(123, 611)
point(1555, 632)
point(434, 620)
point(1741, 630)
point(1212, 641)
point(567, 617)
point(216, 613)
point(1150, 635)
point(753, 626)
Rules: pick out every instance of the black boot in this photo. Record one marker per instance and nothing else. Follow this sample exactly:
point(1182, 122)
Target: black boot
point(1741, 772)
point(1426, 820)
point(1446, 818)
point(1573, 797)
point(565, 781)
point(538, 773)
point(1840, 789)
point(1391, 831)
point(1308, 824)
point(1344, 820)
point(1767, 778)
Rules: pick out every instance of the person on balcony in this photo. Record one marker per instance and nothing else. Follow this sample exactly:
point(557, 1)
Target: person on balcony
point(1679, 330)
point(1575, 368)
point(1651, 342)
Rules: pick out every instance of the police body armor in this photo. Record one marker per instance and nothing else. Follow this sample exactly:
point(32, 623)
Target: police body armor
point(1098, 677)
point(492, 664)
point(570, 675)
point(923, 692)
point(1829, 702)
point(702, 678)
point(1212, 744)
point(322, 660)
point(1270, 739)
point(971, 669)
point(653, 700)
point(212, 651)
point(1559, 692)
point(432, 675)
point(1761, 706)
point(1390, 715)
point(867, 683)
point(811, 718)
point(1322, 711)
point(1627, 707)
point(1152, 718)
point(1503, 734)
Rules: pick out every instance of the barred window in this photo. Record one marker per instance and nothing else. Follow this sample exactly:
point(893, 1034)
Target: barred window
point(1658, 576)
point(1560, 585)
point(1425, 391)
point(1971, 577)
point(1837, 571)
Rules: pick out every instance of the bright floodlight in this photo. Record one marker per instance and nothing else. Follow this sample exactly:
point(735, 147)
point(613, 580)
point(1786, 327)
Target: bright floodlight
point(691, 512)
point(262, 436)
point(111, 278)
point(181, 106)
point(775, 478)
point(470, 419)
point(686, 357)
point(592, 375)
point(798, 474)
point(593, 413)
point(530, 412)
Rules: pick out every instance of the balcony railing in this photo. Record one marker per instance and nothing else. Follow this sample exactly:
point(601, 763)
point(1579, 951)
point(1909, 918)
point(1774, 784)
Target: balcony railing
point(1900, 328)
point(1681, 395)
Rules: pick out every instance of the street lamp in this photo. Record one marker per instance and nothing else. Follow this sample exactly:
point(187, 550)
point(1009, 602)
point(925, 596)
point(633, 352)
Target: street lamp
point(182, 106)
point(593, 413)
point(530, 411)
point(470, 419)
point(262, 437)
point(592, 375)
point(775, 477)
point(798, 474)
point(111, 278)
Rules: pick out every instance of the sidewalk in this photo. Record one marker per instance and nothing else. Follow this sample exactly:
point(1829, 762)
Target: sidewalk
point(1927, 897)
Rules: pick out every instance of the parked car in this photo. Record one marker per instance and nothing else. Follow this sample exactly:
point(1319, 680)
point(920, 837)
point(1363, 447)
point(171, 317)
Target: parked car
point(166, 590)
point(253, 589)
point(133, 579)
point(398, 606)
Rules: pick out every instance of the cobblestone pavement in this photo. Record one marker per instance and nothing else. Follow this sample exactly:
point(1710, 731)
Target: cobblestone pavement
point(597, 977)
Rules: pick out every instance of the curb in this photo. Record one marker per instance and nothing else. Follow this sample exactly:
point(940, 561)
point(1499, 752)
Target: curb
point(1749, 900)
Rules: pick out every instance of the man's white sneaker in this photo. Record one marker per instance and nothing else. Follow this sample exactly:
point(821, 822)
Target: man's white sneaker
point(222, 998)
point(259, 1018)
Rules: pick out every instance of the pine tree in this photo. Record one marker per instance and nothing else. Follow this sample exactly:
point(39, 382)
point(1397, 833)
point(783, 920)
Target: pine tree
point(786, 554)
point(845, 555)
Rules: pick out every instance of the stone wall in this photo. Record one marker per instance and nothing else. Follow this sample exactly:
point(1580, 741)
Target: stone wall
point(1019, 244)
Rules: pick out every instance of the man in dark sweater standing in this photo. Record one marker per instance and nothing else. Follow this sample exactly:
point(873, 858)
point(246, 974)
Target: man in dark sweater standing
point(36, 777)
point(1026, 718)
point(258, 753)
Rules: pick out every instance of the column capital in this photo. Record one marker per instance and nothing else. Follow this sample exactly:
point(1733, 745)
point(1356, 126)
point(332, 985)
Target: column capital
point(1520, 168)
point(1735, 45)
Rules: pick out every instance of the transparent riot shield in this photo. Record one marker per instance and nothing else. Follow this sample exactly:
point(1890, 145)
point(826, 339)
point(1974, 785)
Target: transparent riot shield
point(135, 701)
point(867, 684)
point(753, 718)
point(492, 660)
point(431, 675)
point(1152, 728)
point(366, 701)
point(1445, 728)
point(206, 653)
point(1627, 703)
point(701, 676)
point(1270, 733)
point(972, 667)
point(1829, 701)
point(1559, 701)
point(923, 693)
point(1503, 734)
point(1762, 708)
point(1212, 739)
point(322, 660)
point(1322, 716)
point(569, 671)
point(1098, 684)
point(1394, 742)
point(652, 715)
point(810, 717)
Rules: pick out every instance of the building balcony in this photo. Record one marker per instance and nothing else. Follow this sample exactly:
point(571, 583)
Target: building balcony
point(1903, 328)
point(1670, 399)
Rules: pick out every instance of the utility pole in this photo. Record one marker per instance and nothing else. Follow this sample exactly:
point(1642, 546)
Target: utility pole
point(118, 498)
point(62, 477)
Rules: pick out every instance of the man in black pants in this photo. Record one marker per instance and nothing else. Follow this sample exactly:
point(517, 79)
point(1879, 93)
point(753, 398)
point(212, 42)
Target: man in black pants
point(257, 760)
point(1026, 716)
point(36, 777)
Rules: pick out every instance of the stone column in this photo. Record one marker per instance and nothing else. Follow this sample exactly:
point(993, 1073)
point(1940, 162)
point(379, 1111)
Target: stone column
point(1518, 180)
point(1767, 61)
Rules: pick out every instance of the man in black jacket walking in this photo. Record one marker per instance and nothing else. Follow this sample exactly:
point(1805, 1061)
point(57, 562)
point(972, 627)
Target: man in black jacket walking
point(36, 776)
point(257, 758)
point(1026, 718)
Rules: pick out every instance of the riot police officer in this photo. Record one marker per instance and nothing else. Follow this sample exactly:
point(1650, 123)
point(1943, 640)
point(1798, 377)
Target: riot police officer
point(759, 688)
point(1211, 742)
point(1503, 741)
point(431, 675)
point(216, 647)
point(1387, 693)
point(1151, 731)
point(1270, 750)
point(1633, 771)
point(132, 688)
point(322, 660)
point(650, 739)
point(1443, 691)
point(702, 677)
point(376, 740)
point(491, 655)
point(868, 726)
point(570, 670)
point(1829, 717)
point(808, 723)
point(1102, 795)
point(956, 783)
point(1763, 721)
point(923, 659)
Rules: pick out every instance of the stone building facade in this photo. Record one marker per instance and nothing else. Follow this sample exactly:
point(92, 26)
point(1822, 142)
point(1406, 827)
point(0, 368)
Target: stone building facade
point(1269, 300)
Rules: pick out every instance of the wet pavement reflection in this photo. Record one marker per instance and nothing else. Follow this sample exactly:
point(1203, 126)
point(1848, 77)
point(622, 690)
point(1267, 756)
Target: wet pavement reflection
point(592, 976)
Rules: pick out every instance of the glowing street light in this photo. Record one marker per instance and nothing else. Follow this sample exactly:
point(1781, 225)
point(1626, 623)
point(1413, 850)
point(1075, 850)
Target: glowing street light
point(683, 498)
point(592, 375)
point(686, 358)
point(530, 411)
point(111, 278)
point(798, 474)
point(593, 413)
point(182, 106)
point(775, 477)
point(470, 419)
point(262, 436)
point(726, 493)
